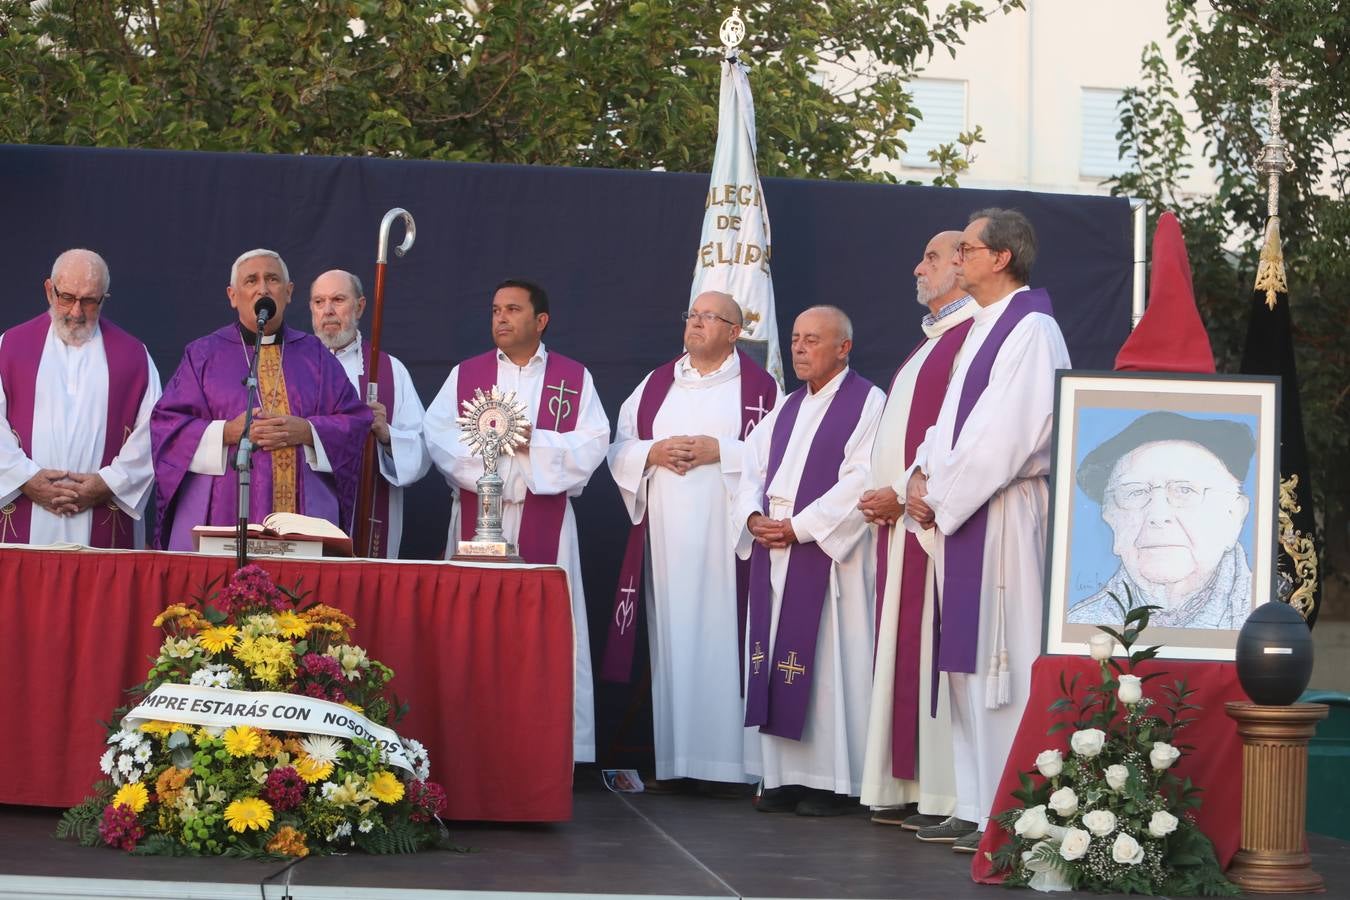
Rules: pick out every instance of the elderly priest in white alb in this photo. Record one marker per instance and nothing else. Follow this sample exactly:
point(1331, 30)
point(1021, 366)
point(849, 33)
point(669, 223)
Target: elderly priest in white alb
point(809, 641)
point(909, 733)
point(74, 418)
point(336, 301)
point(676, 458)
point(979, 481)
point(565, 443)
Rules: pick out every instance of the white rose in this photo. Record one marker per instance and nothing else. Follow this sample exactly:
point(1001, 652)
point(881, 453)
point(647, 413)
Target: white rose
point(1075, 844)
point(1100, 822)
point(1116, 777)
point(1033, 824)
point(1102, 645)
point(1131, 689)
point(1050, 763)
point(1064, 802)
point(1088, 742)
point(1126, 850)
point(1045, 876)
point(1163, 755)
point(1162, 824)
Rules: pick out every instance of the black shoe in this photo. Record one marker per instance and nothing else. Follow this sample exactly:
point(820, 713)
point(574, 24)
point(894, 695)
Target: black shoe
point(780, 799)
point(950, 831)
point(969, 844)
point(919, 821)
point(825, 803)
point(891, 815)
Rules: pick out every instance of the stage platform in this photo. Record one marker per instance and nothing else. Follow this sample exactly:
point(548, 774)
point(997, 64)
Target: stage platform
point(643, 845)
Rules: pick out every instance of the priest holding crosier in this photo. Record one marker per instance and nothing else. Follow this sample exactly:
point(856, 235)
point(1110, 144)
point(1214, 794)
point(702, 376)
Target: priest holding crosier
point(677, 459)
point(565, 442)
point(809, 641)
point(979, 484)
point(309, 426)
point(75, 398)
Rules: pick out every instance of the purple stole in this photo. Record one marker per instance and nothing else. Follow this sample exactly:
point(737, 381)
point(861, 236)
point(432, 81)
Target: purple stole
point(379, 507)
point(542, 519)
point(959, 635)
point(757, 387)
point(778, 705)
point(128, 377)
point(929, 388)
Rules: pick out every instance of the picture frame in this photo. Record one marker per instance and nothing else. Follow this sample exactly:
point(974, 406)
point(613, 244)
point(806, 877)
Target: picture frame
point(1164, 487)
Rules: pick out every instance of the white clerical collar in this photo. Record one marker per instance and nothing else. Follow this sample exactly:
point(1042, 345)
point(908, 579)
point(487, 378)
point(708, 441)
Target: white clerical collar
point(829, 388)
point(687, 371)
point(949, 316)
point(990, 313)
point(540, 356)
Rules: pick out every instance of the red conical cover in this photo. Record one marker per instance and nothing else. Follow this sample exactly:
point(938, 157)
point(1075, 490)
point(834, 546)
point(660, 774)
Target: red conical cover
point(1170, 337)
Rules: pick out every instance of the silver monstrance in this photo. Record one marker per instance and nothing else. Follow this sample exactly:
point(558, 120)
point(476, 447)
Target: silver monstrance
point(492, 424)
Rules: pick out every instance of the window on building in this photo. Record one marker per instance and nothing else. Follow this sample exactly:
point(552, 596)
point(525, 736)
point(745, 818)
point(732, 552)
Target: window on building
point(943, 105)
point(1100, 146)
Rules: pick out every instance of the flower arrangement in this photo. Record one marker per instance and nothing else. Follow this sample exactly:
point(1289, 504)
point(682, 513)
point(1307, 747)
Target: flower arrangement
point(1113, 816)
point(193, 771)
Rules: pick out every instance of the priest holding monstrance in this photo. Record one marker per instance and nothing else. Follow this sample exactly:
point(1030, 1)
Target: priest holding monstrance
point(563, 445)
point(309, 425)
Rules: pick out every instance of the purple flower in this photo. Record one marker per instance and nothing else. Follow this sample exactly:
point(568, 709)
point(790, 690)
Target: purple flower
point(251, 588)
point(284, 788)
point(120, 828)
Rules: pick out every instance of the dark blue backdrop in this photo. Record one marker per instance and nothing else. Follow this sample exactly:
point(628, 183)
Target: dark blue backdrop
point(614, 249)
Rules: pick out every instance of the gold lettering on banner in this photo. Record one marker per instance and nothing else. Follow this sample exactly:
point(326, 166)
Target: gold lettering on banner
point(791, 668)
point(758, 656)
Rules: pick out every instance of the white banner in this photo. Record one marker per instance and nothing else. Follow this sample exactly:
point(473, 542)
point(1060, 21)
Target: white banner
point(735, 246)
point(269, 710)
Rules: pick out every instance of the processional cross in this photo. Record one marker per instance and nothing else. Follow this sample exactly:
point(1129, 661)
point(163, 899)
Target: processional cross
point(1273, 162)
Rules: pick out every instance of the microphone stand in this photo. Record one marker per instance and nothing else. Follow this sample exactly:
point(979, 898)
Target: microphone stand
point(243, 461)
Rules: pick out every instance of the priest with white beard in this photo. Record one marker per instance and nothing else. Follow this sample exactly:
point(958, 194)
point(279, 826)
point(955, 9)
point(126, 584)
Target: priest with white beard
point(565, 442)
point(336, 302)
point(979, 483)
point(676, 458)
point(75, 399)
point(809, 635)
point(909, 736)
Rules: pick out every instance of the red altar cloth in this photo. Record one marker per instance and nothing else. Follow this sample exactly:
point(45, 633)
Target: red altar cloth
point(483, 656)
point(1214, 765)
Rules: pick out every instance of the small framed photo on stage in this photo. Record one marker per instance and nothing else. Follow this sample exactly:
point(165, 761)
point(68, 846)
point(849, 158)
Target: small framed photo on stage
point(1164, 488)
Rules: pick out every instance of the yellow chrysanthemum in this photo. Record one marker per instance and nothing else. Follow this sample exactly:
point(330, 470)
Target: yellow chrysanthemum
point(354, 706)
point(290, 625)
point(288, 842)
point(219, 638)
point(241, 740)
point(386, 788)
point(158, 728)
point(311, 770)
point(270, 745)
point(249, 813)
point(133, 795)
point(269, 659)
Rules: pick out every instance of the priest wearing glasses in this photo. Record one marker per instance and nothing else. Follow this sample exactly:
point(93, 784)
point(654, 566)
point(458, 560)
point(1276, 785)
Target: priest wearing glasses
point(308, 429)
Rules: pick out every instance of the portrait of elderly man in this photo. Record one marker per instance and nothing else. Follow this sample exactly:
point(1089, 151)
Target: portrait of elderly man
point(1170, 489)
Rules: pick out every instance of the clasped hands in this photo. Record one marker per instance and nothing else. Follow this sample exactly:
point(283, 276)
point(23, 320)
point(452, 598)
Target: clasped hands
point(683, 452)
point(884, 507)
point(66, 493)
point(774, 534)
point(270, 431)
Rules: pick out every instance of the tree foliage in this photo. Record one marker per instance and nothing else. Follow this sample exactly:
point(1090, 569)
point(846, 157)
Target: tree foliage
point(600, 83)
point(1225, 46)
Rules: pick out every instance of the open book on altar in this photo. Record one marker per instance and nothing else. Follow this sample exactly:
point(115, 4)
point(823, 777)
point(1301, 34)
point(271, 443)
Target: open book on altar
point(280, 534)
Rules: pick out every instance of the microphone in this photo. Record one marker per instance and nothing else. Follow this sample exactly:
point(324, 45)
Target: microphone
point(264, 309)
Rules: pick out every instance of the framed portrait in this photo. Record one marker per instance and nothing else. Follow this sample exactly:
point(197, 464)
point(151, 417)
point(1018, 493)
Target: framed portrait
point(1163, 489)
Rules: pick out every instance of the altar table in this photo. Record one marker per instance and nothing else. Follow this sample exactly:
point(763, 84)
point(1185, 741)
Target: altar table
point(483, 655)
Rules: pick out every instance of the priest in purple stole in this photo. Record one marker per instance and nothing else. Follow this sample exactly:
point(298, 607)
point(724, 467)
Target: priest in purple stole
point(336, 301)
point(979, 483)
point(809, 635)
point(677, 459)
point(75, 398)
point(567, 439)
point(909, 745)
point(309, 426)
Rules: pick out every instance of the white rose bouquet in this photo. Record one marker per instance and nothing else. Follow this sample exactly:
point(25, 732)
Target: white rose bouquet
point(1111, 814)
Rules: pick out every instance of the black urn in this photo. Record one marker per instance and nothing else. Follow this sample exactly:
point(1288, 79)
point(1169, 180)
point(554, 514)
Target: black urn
point(1274, 654)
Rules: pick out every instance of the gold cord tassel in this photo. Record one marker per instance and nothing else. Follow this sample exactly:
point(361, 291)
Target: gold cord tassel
point(1270, 271)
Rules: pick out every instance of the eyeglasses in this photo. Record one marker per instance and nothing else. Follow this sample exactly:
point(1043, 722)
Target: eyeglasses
point(963, 250)
point(1134, 495)
point(68, 301)
point(707, 318)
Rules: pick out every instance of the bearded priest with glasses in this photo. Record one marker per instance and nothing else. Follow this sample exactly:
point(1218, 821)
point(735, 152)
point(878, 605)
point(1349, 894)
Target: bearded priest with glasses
point(75, 463)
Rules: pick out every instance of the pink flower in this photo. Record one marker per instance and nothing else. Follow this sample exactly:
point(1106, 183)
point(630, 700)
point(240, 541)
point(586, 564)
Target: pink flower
point(120, 828)
point(251, 588)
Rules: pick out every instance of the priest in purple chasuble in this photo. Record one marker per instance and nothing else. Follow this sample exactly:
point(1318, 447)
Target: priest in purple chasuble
point(309, 426)
point(979, 484)
point(909, 745)
point(336, 302)
point(75, 398)
point(809, 635)
point(676, 458)
point(567, 438)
